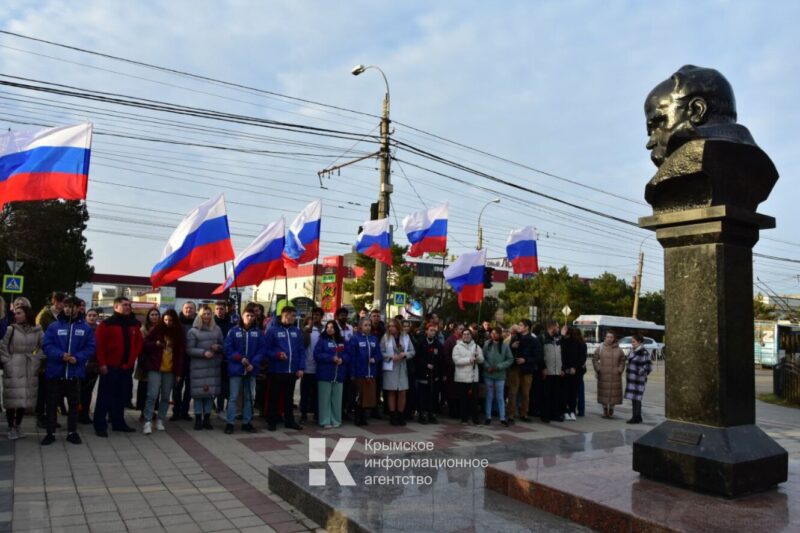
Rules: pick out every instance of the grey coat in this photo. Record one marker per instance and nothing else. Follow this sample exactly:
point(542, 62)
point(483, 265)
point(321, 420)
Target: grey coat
point(21, 359)
point(205, 374)
point(397, 377)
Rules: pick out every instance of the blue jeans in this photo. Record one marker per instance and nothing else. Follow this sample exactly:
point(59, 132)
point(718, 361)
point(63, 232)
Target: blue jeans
point(203, 406)
point(158, 382)
point(245, 384)
point(494, 390)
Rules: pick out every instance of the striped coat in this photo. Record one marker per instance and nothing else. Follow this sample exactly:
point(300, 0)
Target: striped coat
point(639, 366)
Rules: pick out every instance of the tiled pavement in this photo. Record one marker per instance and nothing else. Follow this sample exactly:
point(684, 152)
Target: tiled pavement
point(183, 480)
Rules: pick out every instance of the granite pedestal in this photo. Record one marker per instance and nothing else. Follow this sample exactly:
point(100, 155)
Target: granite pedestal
point(709, 441)
point(597, 489)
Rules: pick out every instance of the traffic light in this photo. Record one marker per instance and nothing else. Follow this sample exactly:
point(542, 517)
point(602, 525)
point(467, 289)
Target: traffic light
point(488, 274)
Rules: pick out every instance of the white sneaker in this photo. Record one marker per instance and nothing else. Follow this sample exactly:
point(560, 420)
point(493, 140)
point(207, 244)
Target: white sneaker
point(148, 428)
point(159, 425)
point(574, 418)
point(12, 434)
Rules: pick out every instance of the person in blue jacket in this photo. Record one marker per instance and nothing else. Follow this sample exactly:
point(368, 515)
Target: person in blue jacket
point(68, 345)
point(244, 350)
point(331, 358)
point(287, 362)
point(364, 352)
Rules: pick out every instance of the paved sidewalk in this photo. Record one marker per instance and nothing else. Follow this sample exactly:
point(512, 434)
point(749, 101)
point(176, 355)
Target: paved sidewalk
point(183, 480)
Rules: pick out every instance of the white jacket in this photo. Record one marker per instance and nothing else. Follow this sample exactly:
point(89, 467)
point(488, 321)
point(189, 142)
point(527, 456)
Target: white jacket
point(467, 372)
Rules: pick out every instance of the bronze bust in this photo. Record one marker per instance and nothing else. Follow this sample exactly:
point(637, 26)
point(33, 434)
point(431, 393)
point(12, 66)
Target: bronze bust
point(699, 148)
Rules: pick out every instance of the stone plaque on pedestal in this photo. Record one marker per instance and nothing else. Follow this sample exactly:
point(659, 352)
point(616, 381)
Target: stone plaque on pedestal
point(711, 179)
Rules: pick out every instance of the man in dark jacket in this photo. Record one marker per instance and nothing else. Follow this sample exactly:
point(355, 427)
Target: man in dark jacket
point(182, 390)
point(528, 359)
point(68, 344)
point(449, 371)
point(119, 343)
point(428, 367)
point(287, 361)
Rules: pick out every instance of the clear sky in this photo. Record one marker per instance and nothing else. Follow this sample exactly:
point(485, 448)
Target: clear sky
point(556, 86)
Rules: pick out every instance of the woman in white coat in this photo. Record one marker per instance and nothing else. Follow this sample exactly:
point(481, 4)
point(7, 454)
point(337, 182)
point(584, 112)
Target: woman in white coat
point(397, 349)
point(467, 355)
point(21, 353)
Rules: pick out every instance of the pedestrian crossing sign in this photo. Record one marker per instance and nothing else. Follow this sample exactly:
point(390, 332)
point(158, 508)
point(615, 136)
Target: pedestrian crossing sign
point(13, 284)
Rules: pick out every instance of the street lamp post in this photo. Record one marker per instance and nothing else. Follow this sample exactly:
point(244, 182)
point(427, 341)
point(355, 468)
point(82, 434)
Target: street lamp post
point(480, 228)
point(385, 185)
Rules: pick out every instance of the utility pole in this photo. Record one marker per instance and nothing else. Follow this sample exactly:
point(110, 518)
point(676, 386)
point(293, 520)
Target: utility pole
point(385, 191)
point(384, 182)
point(638, 284)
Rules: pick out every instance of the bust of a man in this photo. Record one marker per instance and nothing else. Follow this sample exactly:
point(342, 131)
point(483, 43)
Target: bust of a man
point(694, 103)
point(704, 157)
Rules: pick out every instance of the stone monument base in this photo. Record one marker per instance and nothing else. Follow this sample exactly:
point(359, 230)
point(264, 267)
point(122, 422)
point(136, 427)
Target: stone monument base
point(733, 461)
point(598, 489)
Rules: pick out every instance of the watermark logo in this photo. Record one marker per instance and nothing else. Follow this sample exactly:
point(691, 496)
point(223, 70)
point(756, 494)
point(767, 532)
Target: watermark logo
point(317, 454)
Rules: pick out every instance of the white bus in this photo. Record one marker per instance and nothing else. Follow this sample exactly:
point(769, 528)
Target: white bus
point(594, 327)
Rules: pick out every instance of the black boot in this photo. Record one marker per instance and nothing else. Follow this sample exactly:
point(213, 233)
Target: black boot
point(401, 418)
point(423, 419)
point(392, 419)
point(198, 422)
point(207, 422)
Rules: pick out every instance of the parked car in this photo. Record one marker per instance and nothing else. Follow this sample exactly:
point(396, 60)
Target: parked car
point(656, 349)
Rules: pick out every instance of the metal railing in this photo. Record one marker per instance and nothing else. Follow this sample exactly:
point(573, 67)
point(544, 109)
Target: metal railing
point(786, 379)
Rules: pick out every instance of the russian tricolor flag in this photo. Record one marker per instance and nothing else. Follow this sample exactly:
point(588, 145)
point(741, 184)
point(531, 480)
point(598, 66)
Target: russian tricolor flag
point(427, 231)
point(302, 241)
point(201, 240)
point(47, 164)
point(374, 241)
point(261, 260)
point(465, 275)
point(521, 250)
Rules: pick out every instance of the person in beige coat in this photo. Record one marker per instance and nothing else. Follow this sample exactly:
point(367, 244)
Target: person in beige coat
point(609, 364)
point(21, 355)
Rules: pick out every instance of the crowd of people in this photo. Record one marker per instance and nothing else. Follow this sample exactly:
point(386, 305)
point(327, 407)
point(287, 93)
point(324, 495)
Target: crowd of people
point(360, 370)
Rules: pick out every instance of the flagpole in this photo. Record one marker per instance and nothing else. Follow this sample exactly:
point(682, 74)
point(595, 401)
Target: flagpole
point(286, 278)
point(314, 285)
point(441, 284)
point(236, 288)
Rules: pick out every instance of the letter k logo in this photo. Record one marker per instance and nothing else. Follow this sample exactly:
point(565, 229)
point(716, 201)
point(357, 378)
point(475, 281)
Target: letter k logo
point(316, 454)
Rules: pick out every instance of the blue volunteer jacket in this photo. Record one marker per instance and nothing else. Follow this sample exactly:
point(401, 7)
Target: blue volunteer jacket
point(61, 337)
point(244, 343)
point(360, 349)
point(324, 352)
point(288, 340)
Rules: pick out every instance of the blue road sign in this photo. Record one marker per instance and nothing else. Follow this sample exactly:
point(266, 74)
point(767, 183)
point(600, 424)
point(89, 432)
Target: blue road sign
point(13, 284)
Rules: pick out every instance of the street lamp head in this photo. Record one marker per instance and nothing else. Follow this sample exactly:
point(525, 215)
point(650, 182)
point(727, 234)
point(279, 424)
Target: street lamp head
point(358, 69)
point(496, 201)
